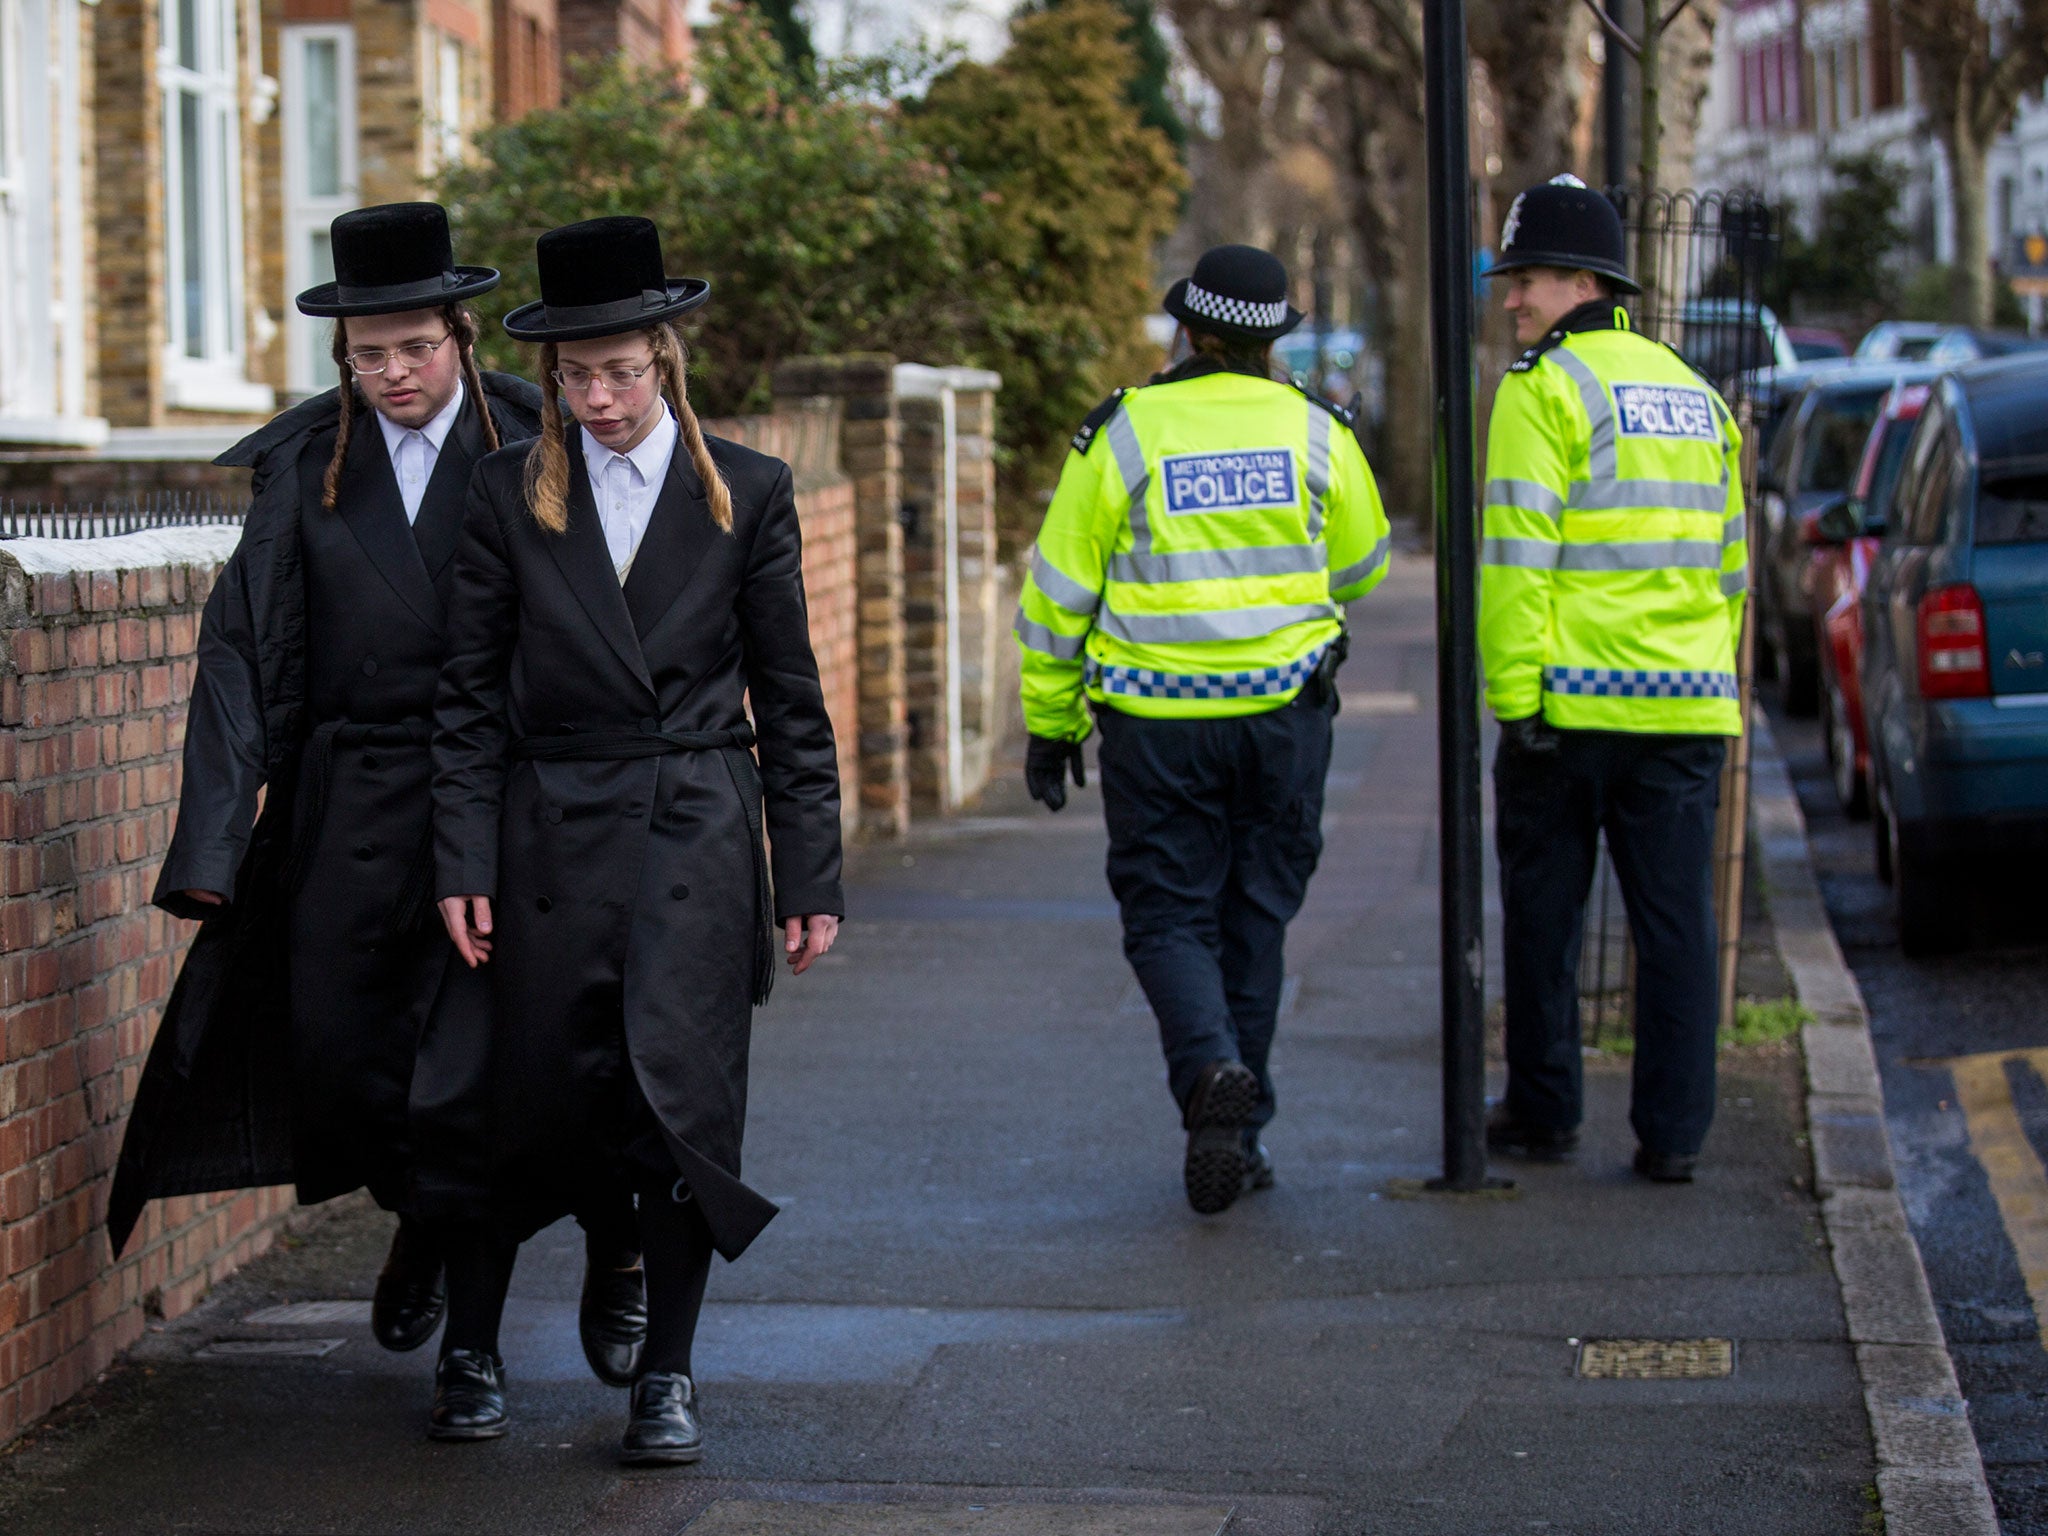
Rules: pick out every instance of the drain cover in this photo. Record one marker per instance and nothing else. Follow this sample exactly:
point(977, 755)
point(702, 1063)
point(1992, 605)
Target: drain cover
point(310, 1314)
point(783, 1517)
point(1657, 1359)
point(270, 1349)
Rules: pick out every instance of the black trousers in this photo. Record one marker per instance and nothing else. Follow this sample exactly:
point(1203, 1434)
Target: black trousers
point(1214, 829)
point(1655, 797)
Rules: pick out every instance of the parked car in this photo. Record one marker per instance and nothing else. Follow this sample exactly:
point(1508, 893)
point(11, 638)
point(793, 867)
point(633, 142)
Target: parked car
point(1955, 665)
point(1962, 344)
point(1902, 341)
point(1848, 535)
point(1344, 360)
point(1724, 337)
point(1812, 462)
point(1811, 343)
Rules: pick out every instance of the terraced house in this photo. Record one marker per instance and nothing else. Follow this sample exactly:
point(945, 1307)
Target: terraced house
point(168, 169)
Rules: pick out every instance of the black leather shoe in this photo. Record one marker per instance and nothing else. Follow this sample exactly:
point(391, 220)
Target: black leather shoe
point(612, 1322)
point(410, 1297)
point(469, 1397)
point(1213, 1172)
point(1258, 1165)
point(1666, 1167)
point(663, 1431)
point(1512, 1137)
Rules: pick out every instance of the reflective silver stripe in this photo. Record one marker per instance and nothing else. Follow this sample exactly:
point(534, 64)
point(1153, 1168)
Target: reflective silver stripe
point(1130, 459)
point(1226, 624)
point(1734, 529)
point(1735, 583)
point(1648, 495)
point(1318, 467)
point(1339, 580)
point(1218, 564)
point(1063, 589)
point(1602, 457)
point(1524, 495)
point(1650, 555)
point(1047, 642)
point(1530, 554)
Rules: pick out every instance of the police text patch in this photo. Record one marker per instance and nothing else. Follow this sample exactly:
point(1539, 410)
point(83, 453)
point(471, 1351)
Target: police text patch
point(1244, 480)
point(1666, 410)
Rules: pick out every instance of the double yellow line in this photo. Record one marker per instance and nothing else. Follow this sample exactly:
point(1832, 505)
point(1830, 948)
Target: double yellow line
point(2019, 1182)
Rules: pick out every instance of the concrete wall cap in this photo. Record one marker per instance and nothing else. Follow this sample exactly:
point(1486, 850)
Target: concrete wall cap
point(919, 379)
point(206, 545)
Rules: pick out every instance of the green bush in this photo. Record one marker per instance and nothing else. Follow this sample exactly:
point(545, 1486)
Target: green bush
point(1007, 219)
point(1930, 295)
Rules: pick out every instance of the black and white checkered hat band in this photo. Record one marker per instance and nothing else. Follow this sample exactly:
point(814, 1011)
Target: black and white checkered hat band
point(1253, 317)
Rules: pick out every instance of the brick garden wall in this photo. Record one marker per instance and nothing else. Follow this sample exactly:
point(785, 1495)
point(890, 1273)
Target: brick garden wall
point(94, 673)
point(95, 670)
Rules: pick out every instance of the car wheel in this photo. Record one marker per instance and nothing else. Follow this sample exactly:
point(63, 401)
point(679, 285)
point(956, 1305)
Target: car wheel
point(1801, 674)
point(1841, 749)
point(1923, 896)
point(1881, 832)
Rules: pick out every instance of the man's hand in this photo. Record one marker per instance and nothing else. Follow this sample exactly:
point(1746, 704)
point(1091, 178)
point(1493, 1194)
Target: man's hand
point(468, 921)
point(1046, 763)
point(205, 898)
point(1530, 736)
point(805, 939)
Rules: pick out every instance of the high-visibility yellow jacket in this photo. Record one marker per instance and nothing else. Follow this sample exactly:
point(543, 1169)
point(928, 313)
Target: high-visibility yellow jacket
point(1205, 530)
point(1615, 559)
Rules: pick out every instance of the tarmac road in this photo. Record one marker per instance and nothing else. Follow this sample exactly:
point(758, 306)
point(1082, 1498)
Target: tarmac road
point(1962, 1044)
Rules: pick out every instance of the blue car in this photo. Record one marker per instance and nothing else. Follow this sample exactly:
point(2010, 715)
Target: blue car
point(1955, 663)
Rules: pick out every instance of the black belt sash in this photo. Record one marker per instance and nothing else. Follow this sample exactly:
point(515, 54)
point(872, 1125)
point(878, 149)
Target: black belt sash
point(732, 747)
point(316, 774)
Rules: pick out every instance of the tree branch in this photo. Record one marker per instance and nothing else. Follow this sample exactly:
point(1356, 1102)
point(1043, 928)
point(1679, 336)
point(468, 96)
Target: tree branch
point(1677, 11)
point(1614, 32)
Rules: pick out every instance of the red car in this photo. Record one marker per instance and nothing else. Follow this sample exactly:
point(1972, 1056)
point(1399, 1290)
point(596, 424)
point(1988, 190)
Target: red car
point(1846, 536)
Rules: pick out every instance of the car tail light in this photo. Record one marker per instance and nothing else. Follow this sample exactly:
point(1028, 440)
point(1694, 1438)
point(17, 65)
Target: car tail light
point(1952, 656)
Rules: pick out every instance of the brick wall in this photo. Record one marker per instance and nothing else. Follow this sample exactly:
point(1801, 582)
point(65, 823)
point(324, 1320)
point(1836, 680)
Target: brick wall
point(94, 673)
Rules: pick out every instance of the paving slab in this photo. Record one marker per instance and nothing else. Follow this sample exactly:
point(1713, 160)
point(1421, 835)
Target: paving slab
point(986, 1288)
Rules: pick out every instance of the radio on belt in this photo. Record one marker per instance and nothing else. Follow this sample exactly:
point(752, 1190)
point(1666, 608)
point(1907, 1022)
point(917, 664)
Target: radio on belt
point(1245, 480)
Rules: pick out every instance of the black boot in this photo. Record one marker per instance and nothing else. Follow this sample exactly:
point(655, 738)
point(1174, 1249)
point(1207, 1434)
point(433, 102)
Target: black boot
point(469, 1397)
point(612, 1321)
point(1224, 1098)
point(663, 1431)
point(410, 1295)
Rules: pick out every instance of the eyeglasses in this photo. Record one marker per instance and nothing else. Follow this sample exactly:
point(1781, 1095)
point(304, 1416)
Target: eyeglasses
point(415, 354)
point(617, 380)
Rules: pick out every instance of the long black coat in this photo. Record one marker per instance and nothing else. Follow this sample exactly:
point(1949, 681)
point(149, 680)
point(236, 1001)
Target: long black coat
point(630, 923)
point(318, 1033)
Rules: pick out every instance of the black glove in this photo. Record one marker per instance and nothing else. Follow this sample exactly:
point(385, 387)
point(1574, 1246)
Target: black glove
point(1529, 736)
point(1045, 770)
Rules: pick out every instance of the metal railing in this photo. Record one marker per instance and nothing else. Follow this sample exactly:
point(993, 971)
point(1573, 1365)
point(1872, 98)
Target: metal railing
point(118, 514)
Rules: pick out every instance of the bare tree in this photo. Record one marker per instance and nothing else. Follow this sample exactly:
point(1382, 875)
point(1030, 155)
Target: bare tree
point(1975, 61)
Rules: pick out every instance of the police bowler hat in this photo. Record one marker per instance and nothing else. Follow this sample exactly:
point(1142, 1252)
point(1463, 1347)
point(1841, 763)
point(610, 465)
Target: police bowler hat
point(1564, 223)
point(1238, 292)
point(600, 278)
point(390, 259)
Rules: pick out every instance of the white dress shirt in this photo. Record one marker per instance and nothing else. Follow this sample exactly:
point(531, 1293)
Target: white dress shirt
point(416, 450)
point(626, 486)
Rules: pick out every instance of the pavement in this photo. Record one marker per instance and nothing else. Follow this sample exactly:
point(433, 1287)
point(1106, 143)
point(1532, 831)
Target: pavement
point(1962, 1048)
point(987, 1308)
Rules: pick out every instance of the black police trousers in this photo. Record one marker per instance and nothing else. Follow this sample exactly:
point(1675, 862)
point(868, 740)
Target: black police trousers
point(1214, 829)
point(1655, 797)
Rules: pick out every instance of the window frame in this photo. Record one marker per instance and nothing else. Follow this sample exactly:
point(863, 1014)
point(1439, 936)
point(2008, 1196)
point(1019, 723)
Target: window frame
point(306, 213)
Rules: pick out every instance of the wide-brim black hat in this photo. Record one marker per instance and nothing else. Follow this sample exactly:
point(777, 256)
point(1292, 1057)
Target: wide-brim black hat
point(600, 278)
point(1565, 224)
point(1235, 291)
point(390, 259)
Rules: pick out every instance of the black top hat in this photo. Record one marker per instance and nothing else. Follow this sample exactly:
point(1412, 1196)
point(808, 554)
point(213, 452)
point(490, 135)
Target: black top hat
point(599, 278)
point(1237, 291)
point(391, 259)
point(1564, 223)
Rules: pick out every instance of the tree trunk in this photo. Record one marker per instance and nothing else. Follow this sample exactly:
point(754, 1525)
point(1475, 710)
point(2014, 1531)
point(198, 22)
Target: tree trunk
point(1971, 295)
point(1649, 65)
